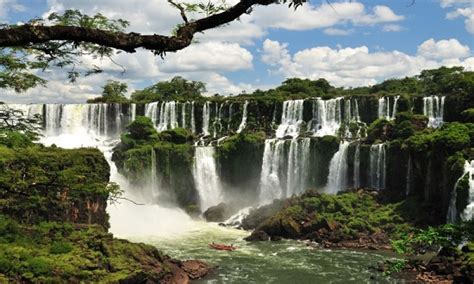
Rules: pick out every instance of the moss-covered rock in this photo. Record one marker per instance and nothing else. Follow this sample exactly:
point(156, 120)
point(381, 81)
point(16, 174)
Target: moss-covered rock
point(346, 217)
point(52, 184)
point(64, 252)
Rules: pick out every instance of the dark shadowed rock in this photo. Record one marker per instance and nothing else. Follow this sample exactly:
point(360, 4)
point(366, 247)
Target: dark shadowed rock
point(257, 235)
point(218, 213)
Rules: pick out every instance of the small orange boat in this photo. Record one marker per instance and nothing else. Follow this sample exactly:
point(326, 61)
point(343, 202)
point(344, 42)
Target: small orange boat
point(223, 247)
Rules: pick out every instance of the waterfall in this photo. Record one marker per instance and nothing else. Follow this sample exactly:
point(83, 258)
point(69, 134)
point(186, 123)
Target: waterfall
point(206, 178)
point(133, 112)
point(229, 123)
point(206, 116)
point(377, 166)
point(291, 119)
point(193, 120)
point(183, 114)
point(151, 111)
point(384, 107)
point(76, 127)
point(327, 117)
point(243, 123)
point(468, 212)
point(53, 117)
point(270, 186)
point(153, 179)
point(337, 178)
point(356, 181)
point(395, 106)
point(298, 166)
point(218, 121)
point(168, 118)
point(433, 108)
point(163, 117)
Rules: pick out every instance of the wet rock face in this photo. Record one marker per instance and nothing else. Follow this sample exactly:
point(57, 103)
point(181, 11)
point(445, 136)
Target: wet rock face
point(218, 213)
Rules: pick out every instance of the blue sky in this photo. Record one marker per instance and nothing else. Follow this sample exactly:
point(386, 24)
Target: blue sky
point(349, 43)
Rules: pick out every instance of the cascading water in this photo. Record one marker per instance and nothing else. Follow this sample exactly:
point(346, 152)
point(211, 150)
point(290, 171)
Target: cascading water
point(86, 125)
point(206, 178)
point(291, 119)
point(243, 123)
point(298, 166)
point(218, 121)
point(337, 178)
point(327, 117)
point(285, 168)
point(468, 212)
point(384, 107)
point(193, 119)
point(377, 166)
point(356, 180)
point(270, 186)
point(206, 117)
point(433, 108)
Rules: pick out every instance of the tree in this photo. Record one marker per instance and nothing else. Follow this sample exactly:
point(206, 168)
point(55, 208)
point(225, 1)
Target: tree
point(58, 42)
point(176, 88)
point(112, 92)
point(17, 129)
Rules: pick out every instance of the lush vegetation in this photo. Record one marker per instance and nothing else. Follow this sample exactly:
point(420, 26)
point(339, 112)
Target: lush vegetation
point(343, 217)
point(177, 88)
point(52, 252)
point(173, 154)
point(112, 92)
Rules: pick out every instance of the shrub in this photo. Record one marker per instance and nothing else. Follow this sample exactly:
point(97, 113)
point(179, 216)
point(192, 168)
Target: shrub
point(61, 248)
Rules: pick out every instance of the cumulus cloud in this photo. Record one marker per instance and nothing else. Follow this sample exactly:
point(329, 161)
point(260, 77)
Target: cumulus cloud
point(359, 66)
point(7, 6)
point(209, 56)
point(310, 16)
point(462, 9)
point(443, 49)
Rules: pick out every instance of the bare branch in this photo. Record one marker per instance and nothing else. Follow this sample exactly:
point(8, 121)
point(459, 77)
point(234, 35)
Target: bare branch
point(181, 10)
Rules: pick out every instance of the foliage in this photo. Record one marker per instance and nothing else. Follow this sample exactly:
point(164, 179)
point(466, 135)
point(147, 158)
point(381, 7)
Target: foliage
point(448, 235)
point(62, 252)
point(450, 137)
point(142, 129)
point(112, 92)
point(19, 64)
point(352, 213)
point(176, 88)
point(18, 129)
point(395, 266)
point(468, 115)
point(39, 183)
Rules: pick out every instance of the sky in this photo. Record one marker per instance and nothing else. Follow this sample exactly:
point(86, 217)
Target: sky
point(350, 43)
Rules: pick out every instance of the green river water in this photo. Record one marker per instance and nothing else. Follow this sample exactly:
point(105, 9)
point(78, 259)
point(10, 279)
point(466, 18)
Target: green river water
point(268, 262)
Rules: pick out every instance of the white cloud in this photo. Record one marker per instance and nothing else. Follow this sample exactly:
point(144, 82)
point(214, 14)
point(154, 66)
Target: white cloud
point(468, 13)
point(8, 6)
point(443, 49)
point(449, 3)
point(392, 28)
point(462, 9)
point(209, 56)
point(309, 17)
point(337, 32)
point(358, 66)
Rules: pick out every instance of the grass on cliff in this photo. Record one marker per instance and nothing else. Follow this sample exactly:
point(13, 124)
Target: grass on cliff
point(353, 212)
point(58, 252)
